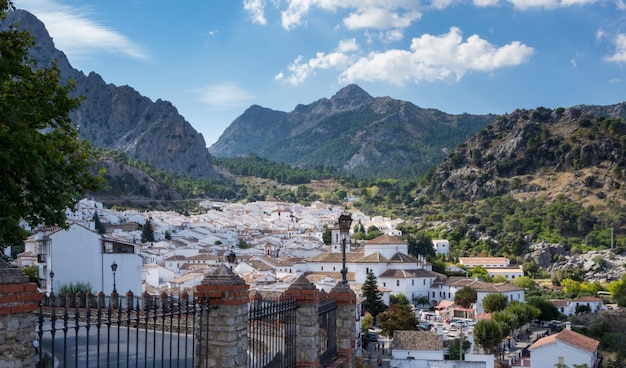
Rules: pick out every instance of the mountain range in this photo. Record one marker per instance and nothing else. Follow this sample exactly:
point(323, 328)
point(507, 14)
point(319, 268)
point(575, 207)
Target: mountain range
point(353, 132)
point(120, 118)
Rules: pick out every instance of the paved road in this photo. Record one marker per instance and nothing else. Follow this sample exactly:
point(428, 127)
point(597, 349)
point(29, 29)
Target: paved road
point(117, 347)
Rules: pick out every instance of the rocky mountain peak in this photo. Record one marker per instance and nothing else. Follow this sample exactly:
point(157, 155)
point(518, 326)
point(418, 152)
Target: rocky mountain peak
point(350, 97)
point(119, 117)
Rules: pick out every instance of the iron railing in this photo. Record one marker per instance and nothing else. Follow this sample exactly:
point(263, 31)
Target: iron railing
point(160, 332)
point(327, 315)
point(272, 334)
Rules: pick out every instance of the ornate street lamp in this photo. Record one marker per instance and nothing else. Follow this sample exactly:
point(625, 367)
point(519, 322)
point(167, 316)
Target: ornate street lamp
point(51, 282)
point(114, 268)
point(345, 220)
point(231, 257)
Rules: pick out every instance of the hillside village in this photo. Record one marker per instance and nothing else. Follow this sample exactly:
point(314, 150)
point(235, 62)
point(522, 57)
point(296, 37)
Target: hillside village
point(282, 242)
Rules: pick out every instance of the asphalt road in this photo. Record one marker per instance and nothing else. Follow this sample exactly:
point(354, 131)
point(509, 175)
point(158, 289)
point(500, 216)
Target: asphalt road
point(117, 347)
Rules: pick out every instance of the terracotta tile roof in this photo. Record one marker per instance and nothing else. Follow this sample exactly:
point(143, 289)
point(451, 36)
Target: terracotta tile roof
point(335, 257)
point(403, 258)
point(571, 338)
point(386, 239)
point(483, 260)
point(372, 258)
point(417, 340)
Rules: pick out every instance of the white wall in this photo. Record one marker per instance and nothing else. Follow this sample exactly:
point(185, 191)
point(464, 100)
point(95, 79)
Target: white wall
point(548, 355)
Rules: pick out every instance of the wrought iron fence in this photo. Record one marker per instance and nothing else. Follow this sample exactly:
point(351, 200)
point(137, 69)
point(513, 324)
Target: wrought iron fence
point(272, 334)
point(126, 332)
point(327, 315)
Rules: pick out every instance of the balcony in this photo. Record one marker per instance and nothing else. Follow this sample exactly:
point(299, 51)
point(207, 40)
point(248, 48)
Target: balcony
point(41, 258)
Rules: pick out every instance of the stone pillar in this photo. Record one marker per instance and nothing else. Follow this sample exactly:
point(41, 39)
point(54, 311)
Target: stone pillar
point(18, 299)
point(307, 333)
point(223, 340)
point(346, 322)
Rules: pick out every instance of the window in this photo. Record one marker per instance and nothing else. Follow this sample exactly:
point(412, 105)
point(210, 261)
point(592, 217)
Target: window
point(424, 281)
point(397, 282)
point(384, 284)
point(413, 282)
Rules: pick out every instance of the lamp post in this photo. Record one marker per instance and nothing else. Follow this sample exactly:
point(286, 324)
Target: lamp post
point(231, 257)
point(51, 282)
point(114, 268)
point(345, 220)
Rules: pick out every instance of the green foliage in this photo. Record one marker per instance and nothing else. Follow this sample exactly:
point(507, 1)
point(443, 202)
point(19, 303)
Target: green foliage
point(495, 302)
point(147, 232)
point(399, 299)
point(547, 310)
point(489, 333)
point(327, 235)
point(454, 350)
point(72, 289)
point(373, 297)
point(397, 317)
point(32, 272)
point(254, 165)
point(45, 168)
point(99, 226)
point(465, 297)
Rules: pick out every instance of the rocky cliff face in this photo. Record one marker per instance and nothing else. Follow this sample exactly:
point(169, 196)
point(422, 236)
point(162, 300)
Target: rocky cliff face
point(352, 131)
point(119, 117)
point(579, 152)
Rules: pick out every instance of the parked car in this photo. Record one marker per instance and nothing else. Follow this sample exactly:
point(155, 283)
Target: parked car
point(459, 324)
point(373, 337)
point(425, 326)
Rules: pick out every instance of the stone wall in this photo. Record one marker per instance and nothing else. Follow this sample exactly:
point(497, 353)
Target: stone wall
point(18, 300)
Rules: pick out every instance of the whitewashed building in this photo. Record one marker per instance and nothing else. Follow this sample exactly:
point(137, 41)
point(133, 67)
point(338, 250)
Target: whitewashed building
point(566, 347)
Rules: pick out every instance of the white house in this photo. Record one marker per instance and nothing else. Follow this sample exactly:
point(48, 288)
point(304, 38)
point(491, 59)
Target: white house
point(82, 255)
point(509, 273)
point(446, 288)
point(568, 307)
point(415, 345)
point(566, 347)
point(441, 246)
point(486, 262)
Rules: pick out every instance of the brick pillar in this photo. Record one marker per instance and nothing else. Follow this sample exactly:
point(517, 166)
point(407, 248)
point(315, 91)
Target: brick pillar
point(223, 340)
point(18, 299)
point(307, 333)
point(346, 322)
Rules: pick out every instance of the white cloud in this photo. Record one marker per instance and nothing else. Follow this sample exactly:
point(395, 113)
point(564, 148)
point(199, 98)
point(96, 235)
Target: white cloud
point(224, 96)
point(548, 4)
point(365, 13)
point(445, 57)
point(485, 3)
point(76, 32)
point(340, 58)
point(379, 18)
point(619, 56)
point(256, 9)
point(621, 5)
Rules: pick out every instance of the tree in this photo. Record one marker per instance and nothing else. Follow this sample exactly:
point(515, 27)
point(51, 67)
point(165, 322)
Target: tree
point(327, 235)
point(99, 226)
point(454, 350)
point(465, 297)
point(46, 169)
point(547, 310)
point(397, 317)
point(373, 297)
point(399, 299)
point(495, 302)
point(147, 232)
point(488, 334)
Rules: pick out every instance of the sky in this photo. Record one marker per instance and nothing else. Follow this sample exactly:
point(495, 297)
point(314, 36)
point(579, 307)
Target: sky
point(212, 59)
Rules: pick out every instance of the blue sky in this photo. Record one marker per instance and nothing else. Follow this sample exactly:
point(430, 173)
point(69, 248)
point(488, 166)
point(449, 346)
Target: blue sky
point(214, 58)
